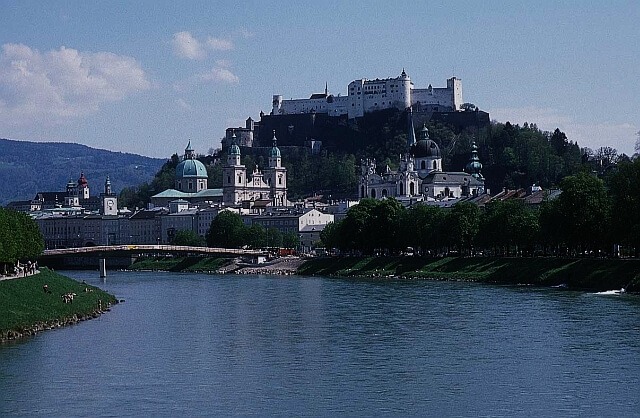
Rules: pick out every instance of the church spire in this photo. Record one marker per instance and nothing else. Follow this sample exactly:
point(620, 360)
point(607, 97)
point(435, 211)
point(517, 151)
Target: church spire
point(326, 88)
point(412, 131)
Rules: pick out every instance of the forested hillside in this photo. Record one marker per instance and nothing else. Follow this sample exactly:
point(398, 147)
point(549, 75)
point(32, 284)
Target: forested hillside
point(30, 167)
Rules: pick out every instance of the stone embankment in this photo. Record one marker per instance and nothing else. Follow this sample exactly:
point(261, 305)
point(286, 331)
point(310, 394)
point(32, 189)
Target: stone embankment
point(17, 334)
point(283, 266)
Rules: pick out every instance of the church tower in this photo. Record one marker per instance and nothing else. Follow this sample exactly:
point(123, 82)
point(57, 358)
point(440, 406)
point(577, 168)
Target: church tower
point(234, 176)
point(109, 199)
point(276, 175)
point(83, 187)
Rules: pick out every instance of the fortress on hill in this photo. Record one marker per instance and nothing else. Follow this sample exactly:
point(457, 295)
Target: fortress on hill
point(366, 96)
point(304, 122)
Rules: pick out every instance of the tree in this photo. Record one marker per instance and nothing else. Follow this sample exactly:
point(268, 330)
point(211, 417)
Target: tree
point(508, 224)
point(274, 238)
point(256, 236)
point(357, 229)
point(624, 189)
point(422, 227)
point(462, 225)
point(331, 235)
point(290, 240)
point(385, 225)
point(189, 238)
point(585, 207)
point(227, 231)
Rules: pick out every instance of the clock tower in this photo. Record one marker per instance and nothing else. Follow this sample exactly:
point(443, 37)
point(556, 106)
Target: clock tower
point(109, 200)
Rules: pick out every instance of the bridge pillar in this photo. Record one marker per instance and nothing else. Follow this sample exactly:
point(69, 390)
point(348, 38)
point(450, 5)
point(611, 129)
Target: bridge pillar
point(102, 266)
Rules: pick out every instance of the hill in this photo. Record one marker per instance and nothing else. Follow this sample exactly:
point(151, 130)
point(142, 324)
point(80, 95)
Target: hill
point(30, 167)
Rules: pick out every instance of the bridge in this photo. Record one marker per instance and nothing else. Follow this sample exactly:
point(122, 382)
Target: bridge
point(102, 252)
point(118, 250)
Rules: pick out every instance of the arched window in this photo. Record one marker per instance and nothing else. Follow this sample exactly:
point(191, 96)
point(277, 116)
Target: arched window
point(384, 192)
point(362, 192)
point(229, 179)
point(435, 166)
point(239, 179)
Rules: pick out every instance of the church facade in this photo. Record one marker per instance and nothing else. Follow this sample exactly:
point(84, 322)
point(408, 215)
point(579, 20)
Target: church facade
point(420, 175)
point(239, 186)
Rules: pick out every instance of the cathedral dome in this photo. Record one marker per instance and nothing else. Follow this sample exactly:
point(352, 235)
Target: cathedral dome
point(191, 169)
point(426, 148)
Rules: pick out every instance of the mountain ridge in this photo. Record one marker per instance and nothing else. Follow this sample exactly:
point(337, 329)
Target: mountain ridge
point(28, 167)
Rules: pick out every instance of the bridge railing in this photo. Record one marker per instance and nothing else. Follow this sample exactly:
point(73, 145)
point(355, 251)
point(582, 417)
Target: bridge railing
point(101, 249)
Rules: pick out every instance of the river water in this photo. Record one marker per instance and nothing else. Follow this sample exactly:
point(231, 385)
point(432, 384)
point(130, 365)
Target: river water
point(194, 345)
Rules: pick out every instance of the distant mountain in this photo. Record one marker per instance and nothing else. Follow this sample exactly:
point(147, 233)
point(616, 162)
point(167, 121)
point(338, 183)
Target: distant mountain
point(30, 167)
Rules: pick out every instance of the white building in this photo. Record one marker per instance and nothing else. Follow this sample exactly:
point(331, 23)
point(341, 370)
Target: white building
point(238, 186)
point(366, 96)
point(420, 175)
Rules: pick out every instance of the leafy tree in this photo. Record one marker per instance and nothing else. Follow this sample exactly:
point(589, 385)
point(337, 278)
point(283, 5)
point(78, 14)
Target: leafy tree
point(462, 224)
point(331, 235)
point(422, 227)
point(385, 223)
point(274, 238)
point(624, 189)
point(585, 206)
point(357, 227)
point(508, 224)
point(256, 236)
point(189, 238)
point(290, 240)
point(227, 231)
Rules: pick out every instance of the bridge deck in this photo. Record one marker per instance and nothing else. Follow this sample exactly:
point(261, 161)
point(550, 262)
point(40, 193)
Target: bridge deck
point(138, 249)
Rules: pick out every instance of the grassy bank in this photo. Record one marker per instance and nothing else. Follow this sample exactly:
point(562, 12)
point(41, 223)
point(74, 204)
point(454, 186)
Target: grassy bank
point(593, 274)
point(188, 264)
point(25, 308)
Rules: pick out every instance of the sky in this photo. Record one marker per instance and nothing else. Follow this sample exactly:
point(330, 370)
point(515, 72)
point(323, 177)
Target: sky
point(148, 76)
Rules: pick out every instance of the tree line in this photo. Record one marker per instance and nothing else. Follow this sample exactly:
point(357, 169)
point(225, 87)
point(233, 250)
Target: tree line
point(227, 230)
point(20, 238)
point(587, 218)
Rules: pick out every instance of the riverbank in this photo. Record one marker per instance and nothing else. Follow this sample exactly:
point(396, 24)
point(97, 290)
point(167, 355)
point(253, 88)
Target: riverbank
point(580, 274)
point(28, 307)
point(282, 265)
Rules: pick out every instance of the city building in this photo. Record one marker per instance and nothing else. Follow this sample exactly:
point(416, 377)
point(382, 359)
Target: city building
point(420, 175)
point(364, 96)
point(270, 184)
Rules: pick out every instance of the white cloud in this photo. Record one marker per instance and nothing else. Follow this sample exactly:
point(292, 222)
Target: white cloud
point(64, 83)
point(182, 104)
point(621, 136)
point(223, 63)
point(219, 44)
point(186, 46)
point(218, 74)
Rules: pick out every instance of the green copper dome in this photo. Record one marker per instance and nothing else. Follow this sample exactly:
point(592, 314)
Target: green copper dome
point(191, 168)
point(275, 151)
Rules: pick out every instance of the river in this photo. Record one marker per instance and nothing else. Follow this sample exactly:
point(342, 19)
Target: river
point(194, 345)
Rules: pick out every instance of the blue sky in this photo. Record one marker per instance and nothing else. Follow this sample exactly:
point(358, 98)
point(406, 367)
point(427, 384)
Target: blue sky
point(147, 76)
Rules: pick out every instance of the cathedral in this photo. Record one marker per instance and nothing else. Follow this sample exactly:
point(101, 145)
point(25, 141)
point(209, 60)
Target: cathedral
point(238, 186)
point(420, 176)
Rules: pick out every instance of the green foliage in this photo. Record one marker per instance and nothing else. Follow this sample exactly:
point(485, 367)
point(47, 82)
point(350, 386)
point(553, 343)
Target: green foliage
point(508, 224)
point(20, 237)
point(274, 238)
point(226, 231)
point(290, 240)
point(461, 224)
point(624, 188)
point(585, 207)
point(189, 238)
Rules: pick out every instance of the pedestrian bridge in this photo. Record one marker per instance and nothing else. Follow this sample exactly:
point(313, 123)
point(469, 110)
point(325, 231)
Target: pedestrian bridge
point(120, 250)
